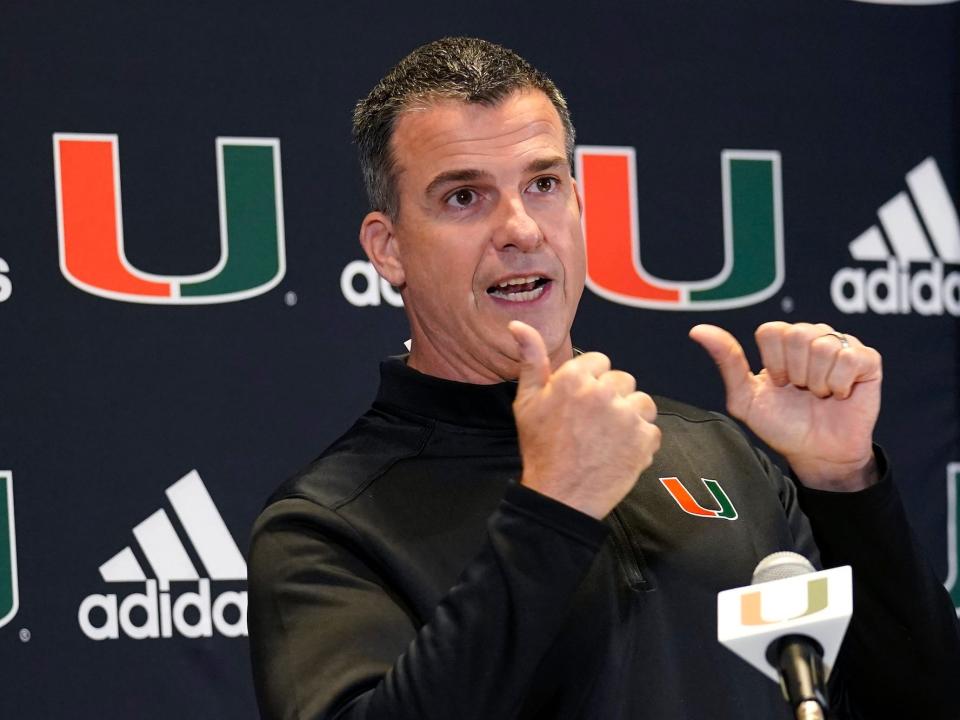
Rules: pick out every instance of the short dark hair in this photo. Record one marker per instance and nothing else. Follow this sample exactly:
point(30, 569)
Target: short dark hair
point(453, 68)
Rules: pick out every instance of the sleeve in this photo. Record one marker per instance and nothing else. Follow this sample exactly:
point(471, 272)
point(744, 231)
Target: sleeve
point(330, 640)
point(901, 653)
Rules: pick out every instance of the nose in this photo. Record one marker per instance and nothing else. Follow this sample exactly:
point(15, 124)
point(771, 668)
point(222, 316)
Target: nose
point(515, 227)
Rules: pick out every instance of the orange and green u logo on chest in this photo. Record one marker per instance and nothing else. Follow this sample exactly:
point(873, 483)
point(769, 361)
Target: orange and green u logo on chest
point(690, 506)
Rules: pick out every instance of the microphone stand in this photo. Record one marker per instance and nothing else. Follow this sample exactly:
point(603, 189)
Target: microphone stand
point(799, 661)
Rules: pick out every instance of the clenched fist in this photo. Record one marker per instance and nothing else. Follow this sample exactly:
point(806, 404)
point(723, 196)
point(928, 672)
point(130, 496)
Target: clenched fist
point(585, 432)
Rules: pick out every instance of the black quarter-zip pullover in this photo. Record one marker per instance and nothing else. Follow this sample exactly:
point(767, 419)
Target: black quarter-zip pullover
point(406, 574)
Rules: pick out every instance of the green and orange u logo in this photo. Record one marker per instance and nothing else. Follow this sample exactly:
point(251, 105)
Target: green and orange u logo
point(953, 536)
point(90, 224)
point(690, 506)
point(817, 600)
point(753, 265)
point(9, 596)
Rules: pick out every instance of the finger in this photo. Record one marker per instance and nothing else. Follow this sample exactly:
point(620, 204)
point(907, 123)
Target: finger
point(728, 354)
point(593, 363)
point(769, 337)
point(824, 353)
point(643, 405)
point(534, 360)
point(797, 341)
point(855, 364)
point(652, 438)
point(622, 383)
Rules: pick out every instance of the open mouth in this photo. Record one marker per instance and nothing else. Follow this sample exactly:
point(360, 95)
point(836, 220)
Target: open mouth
point(521, 289)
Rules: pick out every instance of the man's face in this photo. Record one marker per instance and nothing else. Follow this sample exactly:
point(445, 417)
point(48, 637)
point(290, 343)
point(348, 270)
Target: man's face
point(488, 232)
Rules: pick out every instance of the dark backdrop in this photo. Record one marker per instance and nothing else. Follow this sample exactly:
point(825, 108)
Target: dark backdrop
point(105, 402)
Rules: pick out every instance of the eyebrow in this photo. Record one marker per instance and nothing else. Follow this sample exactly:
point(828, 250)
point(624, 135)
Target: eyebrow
point(455, 176)
point(472, 174)
point(547, 163)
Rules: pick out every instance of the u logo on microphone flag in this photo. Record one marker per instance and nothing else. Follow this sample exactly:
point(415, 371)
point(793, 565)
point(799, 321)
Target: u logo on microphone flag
point(817, 600)
point(818, 605)
point(689, 505)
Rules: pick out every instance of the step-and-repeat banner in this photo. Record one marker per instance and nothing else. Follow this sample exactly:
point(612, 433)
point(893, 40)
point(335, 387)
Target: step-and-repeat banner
point(186, 316)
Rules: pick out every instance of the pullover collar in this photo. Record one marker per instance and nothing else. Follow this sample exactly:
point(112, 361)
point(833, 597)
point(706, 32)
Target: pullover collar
point(457, 403)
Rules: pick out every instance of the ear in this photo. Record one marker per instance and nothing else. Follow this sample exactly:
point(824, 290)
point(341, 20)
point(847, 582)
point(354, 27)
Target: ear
point(380, 245)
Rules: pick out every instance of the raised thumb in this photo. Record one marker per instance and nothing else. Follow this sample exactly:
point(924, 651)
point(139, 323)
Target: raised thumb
point(732, 362)
point(534, 361)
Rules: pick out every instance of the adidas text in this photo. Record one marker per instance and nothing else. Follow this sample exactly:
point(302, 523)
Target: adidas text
point(158, 615)
point(894, 289)
point(912, 255)
point(374, 288)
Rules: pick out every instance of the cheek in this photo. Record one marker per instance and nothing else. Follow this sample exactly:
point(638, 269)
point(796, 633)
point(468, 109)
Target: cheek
point(446, 280)
point(573, 253)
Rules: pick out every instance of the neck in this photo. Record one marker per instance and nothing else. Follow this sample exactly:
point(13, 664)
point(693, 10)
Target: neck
point(496, 367)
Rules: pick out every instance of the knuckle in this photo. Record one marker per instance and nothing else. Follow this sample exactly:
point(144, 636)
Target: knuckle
point(628, 380)
point(605, 393)
point(568, 377)
point(654, 445)
point(796, 337)
point(843, 372)
point(596, 359)
point(824, 344)
point(770, 329)
point(619, 380)
point(654, 434)
point(561, 374)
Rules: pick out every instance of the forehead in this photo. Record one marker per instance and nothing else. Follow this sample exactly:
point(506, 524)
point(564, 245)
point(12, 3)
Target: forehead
point(441, 134)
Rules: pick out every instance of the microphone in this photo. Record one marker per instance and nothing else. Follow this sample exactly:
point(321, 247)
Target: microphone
point(789, 624)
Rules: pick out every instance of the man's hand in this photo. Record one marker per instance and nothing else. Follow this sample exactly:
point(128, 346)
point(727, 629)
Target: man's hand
point(815, 401)
point(585, 433)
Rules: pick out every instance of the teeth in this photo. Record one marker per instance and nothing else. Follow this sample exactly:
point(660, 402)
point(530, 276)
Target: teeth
point(519, 281)
point(525, 296)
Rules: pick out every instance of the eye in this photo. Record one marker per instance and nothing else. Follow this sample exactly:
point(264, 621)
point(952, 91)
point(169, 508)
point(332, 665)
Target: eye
point(464, 197)
point(545, 184)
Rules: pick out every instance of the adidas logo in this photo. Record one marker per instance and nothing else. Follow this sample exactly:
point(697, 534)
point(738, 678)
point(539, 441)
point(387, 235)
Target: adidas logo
point(153, 614)
point(915, 276)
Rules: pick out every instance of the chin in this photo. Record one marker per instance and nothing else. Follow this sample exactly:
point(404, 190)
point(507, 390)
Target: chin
point(554, 337)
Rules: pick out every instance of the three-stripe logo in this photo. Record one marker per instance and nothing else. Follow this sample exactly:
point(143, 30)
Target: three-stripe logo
point(918, 235)
point(170, 562)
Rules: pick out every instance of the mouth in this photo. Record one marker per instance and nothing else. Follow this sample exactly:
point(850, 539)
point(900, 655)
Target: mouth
point(520, 289)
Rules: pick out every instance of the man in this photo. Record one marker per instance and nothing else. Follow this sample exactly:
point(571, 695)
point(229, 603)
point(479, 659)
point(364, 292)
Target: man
point(480, 548)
